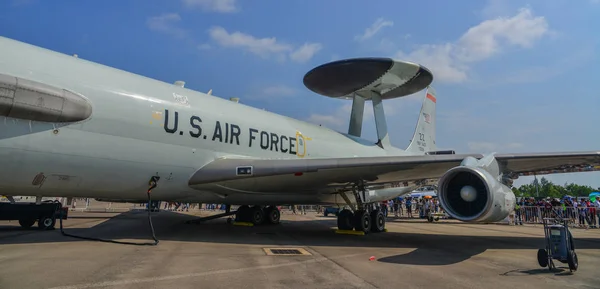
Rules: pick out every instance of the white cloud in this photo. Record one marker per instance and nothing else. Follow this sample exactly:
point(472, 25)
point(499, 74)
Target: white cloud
point(379, 24)
point(484, 40)
point(450, 62)
point(223, 6)
point(305, 52)
point(263, 47)
point(440, 59)
point(278, 90)
point(166, 23)
point(260, 46)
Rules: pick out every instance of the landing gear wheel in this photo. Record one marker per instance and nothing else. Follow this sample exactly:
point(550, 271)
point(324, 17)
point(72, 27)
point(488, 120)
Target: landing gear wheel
point(273, 215)
point(243, 214)
point(542, 257)
point(572, 260)
point(46, 223)
point(362, 221)
point(257, 216)
point(344, 220)
point(377, 221)
point(26, 223)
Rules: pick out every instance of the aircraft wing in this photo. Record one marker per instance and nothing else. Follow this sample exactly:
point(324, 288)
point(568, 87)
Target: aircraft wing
point(549, 163)
point(287, 175)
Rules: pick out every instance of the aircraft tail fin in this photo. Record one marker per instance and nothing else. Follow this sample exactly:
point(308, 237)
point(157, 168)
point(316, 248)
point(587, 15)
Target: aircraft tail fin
point(423, 140)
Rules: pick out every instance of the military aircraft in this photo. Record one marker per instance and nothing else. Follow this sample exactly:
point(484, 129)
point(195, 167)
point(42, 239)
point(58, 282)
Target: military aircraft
point(75, 128)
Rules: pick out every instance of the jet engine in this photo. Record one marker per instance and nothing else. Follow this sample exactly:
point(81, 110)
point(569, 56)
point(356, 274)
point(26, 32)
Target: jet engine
point(474, 192)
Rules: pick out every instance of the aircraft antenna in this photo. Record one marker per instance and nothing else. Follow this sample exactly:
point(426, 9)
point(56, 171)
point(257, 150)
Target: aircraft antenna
point(362, 79)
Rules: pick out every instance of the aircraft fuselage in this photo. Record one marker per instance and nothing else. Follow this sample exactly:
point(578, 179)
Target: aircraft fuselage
point(141, 127)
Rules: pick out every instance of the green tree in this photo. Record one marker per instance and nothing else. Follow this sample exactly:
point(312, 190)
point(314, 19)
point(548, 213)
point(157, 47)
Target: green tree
point(545, 188)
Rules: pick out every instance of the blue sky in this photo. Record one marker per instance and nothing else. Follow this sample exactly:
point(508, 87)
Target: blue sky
point(511, 76)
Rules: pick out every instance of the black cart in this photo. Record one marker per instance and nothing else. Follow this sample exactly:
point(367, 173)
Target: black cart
point(559, 244)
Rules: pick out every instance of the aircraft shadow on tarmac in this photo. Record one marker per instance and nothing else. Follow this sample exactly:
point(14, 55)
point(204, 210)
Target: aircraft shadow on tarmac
point(426, 249)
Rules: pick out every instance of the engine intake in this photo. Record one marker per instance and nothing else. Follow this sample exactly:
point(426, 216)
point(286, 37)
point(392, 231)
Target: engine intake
point(470, 192)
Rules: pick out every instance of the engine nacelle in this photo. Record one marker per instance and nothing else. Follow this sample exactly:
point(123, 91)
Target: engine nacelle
point(472, 192)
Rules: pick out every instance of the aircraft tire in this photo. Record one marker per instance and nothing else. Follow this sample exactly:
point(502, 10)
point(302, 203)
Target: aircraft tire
point(26, 223)
point(243, 214)
point(572, 260)
point(273, 215)
point(362, 221)
point(257, 215)
point(571, 241)
point(377, 221)
point(46, 223)
point(344, 220)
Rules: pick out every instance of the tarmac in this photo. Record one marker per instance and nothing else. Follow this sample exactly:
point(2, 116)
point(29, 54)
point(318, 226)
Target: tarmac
point(214, 254)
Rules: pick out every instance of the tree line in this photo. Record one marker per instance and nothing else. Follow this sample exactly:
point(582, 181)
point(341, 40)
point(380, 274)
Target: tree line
point(545, 188)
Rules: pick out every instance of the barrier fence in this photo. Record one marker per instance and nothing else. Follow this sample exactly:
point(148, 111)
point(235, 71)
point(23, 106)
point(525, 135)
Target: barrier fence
point(578, 217)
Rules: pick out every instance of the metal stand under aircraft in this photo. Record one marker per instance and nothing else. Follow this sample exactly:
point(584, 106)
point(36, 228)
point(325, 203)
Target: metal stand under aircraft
point(362, 79)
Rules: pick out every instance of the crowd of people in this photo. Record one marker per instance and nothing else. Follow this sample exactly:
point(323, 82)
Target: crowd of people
point(411, 207)
point(581, 212)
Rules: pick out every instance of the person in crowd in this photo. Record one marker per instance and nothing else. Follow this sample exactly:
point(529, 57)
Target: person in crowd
point(597, 205)
point(400, 207)
point(518, 220)
point(582, 209)
point(592, 214)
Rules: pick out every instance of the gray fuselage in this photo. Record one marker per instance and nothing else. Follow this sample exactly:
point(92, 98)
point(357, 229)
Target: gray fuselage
point(141, 127)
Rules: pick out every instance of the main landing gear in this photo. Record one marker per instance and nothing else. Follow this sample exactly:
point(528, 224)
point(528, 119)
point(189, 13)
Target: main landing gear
point(258, 215)
point(366, 218)
point(362, 220)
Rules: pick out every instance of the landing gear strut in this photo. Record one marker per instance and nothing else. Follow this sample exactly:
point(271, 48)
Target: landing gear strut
point(365, 218)
point(258, 215)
